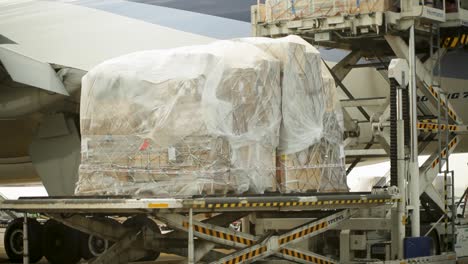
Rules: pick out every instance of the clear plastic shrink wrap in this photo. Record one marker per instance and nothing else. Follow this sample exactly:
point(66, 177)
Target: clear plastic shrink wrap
point(212, 119)
point(311, 156)
point(186, 121)
point(291, 9)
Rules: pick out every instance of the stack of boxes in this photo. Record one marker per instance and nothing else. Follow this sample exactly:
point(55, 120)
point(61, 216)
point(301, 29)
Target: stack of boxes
point(294, 9)
point(310, 154)
point(196, 120)
point(204, 120)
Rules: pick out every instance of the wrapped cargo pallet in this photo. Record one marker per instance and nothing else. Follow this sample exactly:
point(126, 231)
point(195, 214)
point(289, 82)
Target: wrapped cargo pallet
point(310, 154)
point(204, 120)
point(187, 121)
point(277, 10)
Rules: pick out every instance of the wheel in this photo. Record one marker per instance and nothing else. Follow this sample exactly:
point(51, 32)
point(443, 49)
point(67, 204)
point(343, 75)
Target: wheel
point(435, 250)
point(61, 243)
point(139, 222)
point(13, 240)
point(435, 245)
point(93, 246)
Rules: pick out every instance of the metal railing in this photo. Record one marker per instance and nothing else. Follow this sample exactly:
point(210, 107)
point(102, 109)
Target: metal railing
point(292, 9)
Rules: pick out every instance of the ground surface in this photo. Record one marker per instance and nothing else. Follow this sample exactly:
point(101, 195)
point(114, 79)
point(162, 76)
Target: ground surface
point(164, 258)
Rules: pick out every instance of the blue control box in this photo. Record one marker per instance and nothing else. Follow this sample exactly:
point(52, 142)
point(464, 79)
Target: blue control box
point(417, 247)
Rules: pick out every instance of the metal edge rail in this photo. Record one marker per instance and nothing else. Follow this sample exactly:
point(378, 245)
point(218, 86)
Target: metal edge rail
point(208, 204)
point(445, 258)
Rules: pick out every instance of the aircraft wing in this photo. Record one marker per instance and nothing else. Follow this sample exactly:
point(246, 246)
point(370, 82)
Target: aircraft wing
point(80, 37)
point(31, 72)
point(42, 43)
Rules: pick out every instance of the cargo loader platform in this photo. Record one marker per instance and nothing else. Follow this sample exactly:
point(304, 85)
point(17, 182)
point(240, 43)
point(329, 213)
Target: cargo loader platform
point(122, 204)
point(201, 224)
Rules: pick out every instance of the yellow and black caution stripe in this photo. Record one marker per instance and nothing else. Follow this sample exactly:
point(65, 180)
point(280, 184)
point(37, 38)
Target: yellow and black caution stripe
point(218, 234)
point(288, 204)
point(453, 42)
point(452, 143)
point(304, 256)
point(246, 256)
point(434, 93)
point(430, 126)
point(302, 233)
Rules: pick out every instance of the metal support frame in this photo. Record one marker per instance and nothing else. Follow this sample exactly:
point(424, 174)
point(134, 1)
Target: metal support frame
point(209, 232)
point(424, 77)
point(430, 169)
point(432, 126)
point(400, 217)
point(252, 247)
point(149, 240)
point(202, 249)
point(429, 85)
point(119, 252)
point(316, 25)
point(413, 164)
point(397, 155)
point(281, 246)
point(449, 210)
point(133, 243)
point(339, 73)
point(107, 231)
point(191, 247)
point(345, 248)
point(129, 241)
point(25, 240)
point(361, 102)
point(366, 152)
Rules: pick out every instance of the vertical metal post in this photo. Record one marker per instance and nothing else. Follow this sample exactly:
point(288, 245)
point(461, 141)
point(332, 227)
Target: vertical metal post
point(414, 166)
point(345, 252)
point(446, 211)
point(258, 12)
point(191, 247)
point(401, 207)
point(454, 209)
point(398, 140)
point(25, 240)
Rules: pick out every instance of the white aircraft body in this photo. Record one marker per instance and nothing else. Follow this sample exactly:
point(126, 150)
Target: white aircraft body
point(47, 46)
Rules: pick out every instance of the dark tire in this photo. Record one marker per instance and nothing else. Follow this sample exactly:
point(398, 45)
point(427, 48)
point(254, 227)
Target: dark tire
point(139, 222)
point(13, 240)
point(434, 235)
point(435, 250)
point(61, 243)
point(92, 246)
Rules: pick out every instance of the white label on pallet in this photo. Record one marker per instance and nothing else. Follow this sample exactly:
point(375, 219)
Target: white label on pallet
point(461, 246)
point(171, 153)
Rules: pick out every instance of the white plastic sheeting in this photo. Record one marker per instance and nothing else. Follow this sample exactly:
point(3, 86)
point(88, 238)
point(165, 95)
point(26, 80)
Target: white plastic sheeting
point(201, 119)
point(311, 144)
point(301, 91)
point(293, 9)
point(211, 120)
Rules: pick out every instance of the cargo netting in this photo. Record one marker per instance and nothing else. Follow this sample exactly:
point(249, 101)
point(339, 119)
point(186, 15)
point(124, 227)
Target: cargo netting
point(276, 10)
point(242, 116)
